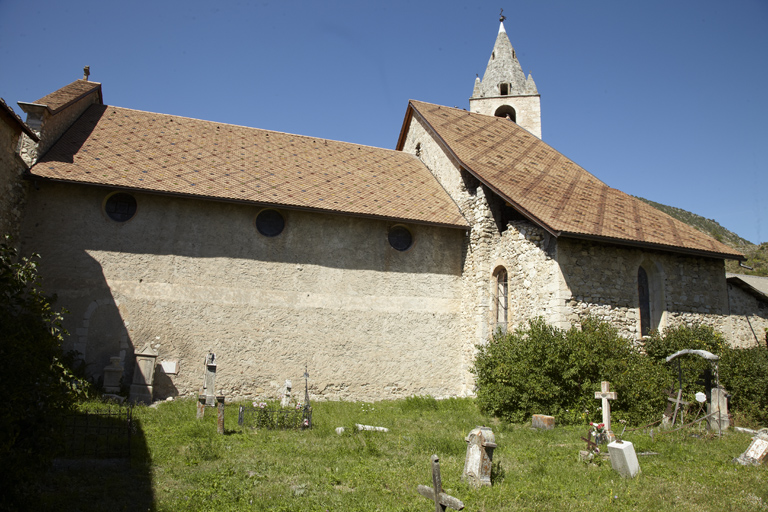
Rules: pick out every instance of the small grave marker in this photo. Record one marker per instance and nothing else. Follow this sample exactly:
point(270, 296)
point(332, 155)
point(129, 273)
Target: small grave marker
point(286, 401)
point(477, 467)
point(436, 494)
point(623, 458)
point(144, 375)
point(543, 422)
point(207, 396)
point(757, 451)
point(606, 395)
point(717, 410)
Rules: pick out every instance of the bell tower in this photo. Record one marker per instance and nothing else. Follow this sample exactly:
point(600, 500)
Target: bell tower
point(504, 90)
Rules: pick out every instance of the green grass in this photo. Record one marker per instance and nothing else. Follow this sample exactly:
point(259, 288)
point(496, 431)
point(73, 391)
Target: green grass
point(180, 463)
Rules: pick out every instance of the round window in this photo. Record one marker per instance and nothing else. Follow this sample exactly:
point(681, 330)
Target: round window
point(400, 238)
point(120, 207)
point(270, 222)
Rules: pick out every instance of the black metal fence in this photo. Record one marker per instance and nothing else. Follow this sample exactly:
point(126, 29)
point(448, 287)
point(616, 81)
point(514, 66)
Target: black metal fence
point(98, 434)
point(274, 417)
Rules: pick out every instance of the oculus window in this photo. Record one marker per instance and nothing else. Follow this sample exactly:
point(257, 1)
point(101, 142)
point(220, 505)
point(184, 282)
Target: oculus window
point(120, 207)
point(270, 223)
point(400, 238)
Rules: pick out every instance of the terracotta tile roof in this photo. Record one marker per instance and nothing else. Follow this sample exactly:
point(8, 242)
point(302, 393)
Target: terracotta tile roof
point(551, 190)
point(17, 120)
point(124, 148)
point(68, 94)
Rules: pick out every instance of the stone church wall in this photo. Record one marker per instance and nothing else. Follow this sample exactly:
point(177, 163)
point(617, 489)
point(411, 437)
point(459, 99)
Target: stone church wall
point(748, 320)
point(189, 276)
point(602, 280)
point(12, 187)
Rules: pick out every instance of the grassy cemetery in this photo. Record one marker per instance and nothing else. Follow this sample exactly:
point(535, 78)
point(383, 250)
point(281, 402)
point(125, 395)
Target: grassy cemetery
point(581, 419)
point(181, 463)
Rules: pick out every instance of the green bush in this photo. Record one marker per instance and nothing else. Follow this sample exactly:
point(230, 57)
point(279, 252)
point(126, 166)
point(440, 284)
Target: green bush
point(37, 385)
point(744, 374)
point(540, 369)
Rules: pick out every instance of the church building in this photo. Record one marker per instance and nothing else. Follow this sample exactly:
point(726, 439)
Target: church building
point(377, 270)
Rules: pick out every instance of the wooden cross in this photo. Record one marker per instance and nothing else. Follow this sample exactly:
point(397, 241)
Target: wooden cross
point(436, 494)
point(606, 395)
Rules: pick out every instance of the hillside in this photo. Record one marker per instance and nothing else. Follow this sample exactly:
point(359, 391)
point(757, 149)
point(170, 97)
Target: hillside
point(757, 255)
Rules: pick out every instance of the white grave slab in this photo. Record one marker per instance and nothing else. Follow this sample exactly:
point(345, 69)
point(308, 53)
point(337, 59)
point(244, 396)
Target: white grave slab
point(623, 458)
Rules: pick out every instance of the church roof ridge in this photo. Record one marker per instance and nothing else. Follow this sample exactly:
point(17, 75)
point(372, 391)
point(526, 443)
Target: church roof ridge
point(162, 153)
point(65, 96)
point(552, 190)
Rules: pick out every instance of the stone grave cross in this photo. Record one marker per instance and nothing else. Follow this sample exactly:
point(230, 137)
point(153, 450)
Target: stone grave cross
point(207, 396)
point(606, 395)
point(436, 494)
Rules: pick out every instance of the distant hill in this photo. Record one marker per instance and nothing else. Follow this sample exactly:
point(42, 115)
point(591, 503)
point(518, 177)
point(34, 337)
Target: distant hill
point(757, 255)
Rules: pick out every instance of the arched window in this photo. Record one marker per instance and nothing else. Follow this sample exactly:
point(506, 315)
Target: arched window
point(650, 297)
point(506, 111)
point(644, 301)
point(501, 298)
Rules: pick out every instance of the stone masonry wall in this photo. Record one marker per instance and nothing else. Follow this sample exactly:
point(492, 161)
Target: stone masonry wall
point(748, 320)
point(602, 280)
point(12, 187)
point(191, 276)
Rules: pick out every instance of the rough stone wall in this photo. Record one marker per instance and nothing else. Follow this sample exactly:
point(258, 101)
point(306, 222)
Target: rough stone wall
point(748, 320)
point(12, 187)
point(191, 276)
point(528, 109)
point(602, 280)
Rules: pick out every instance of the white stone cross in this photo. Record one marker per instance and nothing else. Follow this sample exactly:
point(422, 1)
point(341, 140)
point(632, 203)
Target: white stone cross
point(606, 395)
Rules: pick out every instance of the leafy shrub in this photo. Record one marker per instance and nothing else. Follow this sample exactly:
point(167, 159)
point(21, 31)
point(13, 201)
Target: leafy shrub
point(744, 374)
point(540, 369)
point(36, 385)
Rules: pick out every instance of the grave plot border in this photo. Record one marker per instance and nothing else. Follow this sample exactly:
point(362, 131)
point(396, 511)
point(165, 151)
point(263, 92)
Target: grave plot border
point(99, 434)
point(273, 417)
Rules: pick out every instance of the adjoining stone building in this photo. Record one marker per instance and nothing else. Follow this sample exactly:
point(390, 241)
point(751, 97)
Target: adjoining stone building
point(380, 270)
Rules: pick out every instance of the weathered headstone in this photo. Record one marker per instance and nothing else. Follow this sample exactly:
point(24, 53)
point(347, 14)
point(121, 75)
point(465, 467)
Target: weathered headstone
point(757, 452)
point(209, 380)
point(717, 410)
point(144, 375)
point(543, 422)
point(477, 466)
point(606, 395)
point(112, 375)
point(623, 458)
point(436, 494)
point(207, 396)
point(286, 401)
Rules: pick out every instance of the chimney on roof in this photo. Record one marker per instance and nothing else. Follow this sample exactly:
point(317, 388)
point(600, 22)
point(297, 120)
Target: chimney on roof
point(86, 72)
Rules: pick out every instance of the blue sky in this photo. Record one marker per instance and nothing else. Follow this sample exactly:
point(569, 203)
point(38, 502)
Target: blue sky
point(661, 99)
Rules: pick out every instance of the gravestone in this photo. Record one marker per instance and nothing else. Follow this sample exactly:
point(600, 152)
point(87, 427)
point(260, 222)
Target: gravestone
point(144, 375)
point(757, 452)
point(286, 401)
point(435, 493)
point(717, 410)
point(477, 466)
point(543, 422)
point(112, 375)
point(623, 458)
point(207, 396)
point(606, 395)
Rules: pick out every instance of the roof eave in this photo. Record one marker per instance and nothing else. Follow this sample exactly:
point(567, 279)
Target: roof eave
point(33, 177)
point(651, 245)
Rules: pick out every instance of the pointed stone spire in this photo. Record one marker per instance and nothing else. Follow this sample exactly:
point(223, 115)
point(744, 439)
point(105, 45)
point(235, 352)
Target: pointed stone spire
point(503, 76)
point(505, 91)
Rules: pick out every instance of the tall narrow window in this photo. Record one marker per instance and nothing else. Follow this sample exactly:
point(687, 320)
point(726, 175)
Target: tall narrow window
point(644, 298)
point(501, 299)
